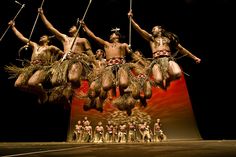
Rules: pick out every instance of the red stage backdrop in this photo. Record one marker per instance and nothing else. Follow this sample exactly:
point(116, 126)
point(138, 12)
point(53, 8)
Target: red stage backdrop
point(173, 107)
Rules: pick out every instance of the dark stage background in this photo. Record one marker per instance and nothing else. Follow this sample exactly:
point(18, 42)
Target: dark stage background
point(205, 27)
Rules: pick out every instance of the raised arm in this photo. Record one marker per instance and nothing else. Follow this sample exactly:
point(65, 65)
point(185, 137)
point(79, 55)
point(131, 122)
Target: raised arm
point(89, 51)
point(88, 48)
point(50, 27)
point(187, 53)
point(91, 34)
point(56, 50)
point(147, 36)
point(21, 36)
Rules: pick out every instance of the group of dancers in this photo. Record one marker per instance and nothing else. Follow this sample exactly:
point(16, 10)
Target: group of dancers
point(54, 74)
point(122, 132)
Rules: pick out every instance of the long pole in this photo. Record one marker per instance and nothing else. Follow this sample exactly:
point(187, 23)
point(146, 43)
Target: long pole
point(34, 24)
point(22, 6)
point(130, 5)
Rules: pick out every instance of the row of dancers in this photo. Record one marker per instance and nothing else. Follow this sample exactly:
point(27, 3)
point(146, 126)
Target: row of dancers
point(123, 132)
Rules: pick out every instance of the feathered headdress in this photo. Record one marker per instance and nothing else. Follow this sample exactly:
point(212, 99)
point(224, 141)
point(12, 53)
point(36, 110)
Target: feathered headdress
point(115, 30)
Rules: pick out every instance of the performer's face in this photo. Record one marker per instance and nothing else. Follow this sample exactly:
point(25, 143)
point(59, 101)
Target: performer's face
point(43, 39)
point(114, 36)
point(72, 30)
point(156, 30)
point(138, 53)
point(99, 53)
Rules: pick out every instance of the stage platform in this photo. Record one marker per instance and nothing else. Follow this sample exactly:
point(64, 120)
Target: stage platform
point(169, 148)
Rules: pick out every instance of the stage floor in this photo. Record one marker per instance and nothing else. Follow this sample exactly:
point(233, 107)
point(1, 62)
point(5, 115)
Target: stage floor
point(170, 148)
